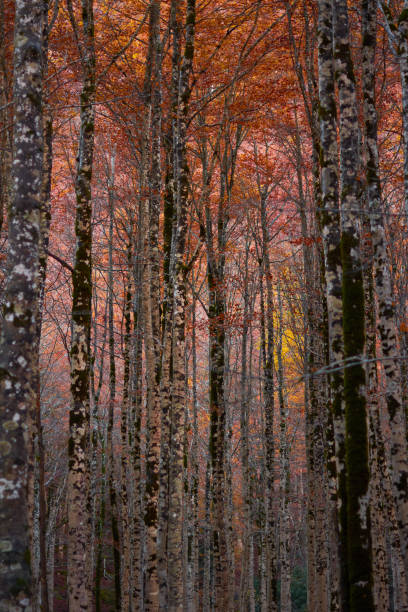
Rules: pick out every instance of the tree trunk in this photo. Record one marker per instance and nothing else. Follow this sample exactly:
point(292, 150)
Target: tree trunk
point(386, 311)
point(151, 303)
point(136, 419)
point(284, 488)
point(269, 407)
point(175, 539)
point(78, 476)
point(377, 507)
point(125, 447)
point(357, 472)
point(19, 359)
point(114, 507)
point(330, 225)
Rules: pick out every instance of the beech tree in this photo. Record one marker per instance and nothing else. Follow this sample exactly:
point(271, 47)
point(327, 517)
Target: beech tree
point(19, 360)
point(78, 475)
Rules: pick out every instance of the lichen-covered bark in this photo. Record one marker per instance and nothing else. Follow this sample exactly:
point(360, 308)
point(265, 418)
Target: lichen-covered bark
point(330, 226)
point(192, 584)
point(315, 355)
point(111, 463)
point(386, 310)
point(78, 476)
point(357, 470)
point(175, 533)
point(215, 275)
point(150, 211)
point(245, 487)
point(135, 430)
point(6, 111)
point(216, 261)
point(269, 401)
point(125, 472)
point(18, 355)
point(170, 204)
point(376, 446)
point(45, 220)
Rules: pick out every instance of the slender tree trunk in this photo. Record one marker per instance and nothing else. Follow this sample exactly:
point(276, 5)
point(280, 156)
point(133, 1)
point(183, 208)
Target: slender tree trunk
point(151, 304)
point(5, 118)
point(175, 539)
point(194, 483)
point(78, 476)
point(246, 510)
point(114, 507)
point(269, 402)
point(377, 508)
point(207, 543)
point(136, 412)
point(100, 525)
point(284, 550)
point(125, 472)
point(45, 220)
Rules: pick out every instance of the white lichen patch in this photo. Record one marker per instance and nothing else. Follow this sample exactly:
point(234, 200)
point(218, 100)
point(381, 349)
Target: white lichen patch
point(9, 489)
point(22, 361)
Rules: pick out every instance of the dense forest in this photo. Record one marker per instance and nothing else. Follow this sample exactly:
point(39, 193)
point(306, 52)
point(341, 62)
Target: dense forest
point(204, 305)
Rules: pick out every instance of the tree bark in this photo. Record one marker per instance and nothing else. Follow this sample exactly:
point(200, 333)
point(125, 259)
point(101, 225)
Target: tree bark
point(136, 412)
point(330, 226)
point(357, 471)
point(284, 485)
point(151, 303)
point(78, 476)
point(125, 447)
point(175, 539)
point(269, 407)
point(386, 310)
point(19, 359)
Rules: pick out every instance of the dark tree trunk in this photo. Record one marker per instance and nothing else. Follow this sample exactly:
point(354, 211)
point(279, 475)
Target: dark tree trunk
point(78, 476)
point(18, 342)
point(357, 470)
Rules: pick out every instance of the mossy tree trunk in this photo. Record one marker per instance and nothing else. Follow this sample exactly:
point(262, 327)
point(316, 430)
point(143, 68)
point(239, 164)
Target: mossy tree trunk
point(376, 445)
point(357, 469)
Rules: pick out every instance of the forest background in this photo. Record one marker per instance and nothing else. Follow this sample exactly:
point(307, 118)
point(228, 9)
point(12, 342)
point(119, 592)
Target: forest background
point(203, 225)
